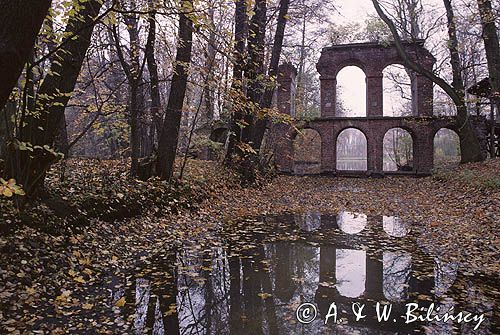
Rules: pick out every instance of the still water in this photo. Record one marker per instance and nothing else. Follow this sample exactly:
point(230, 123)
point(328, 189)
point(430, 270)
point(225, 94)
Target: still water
point(258, 279)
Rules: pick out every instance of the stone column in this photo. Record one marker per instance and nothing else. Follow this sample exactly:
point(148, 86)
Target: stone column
point(374, 94)
point(425, 96)
point(328, 95)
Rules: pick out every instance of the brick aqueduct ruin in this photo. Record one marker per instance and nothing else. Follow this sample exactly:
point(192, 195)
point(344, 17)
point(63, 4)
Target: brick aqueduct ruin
point(372, 58)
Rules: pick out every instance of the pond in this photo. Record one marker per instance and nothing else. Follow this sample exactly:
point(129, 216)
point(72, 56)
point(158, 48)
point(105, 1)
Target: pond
point(309, 273)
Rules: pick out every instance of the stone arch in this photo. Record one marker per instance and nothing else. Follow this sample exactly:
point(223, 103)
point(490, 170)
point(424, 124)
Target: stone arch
point(446, 147)
point(351, 150)
point(398, 150)
point(350, 84)
point(307, 146)
point(373, 58)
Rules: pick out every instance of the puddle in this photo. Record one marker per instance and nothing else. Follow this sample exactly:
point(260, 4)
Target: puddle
point(267, 273)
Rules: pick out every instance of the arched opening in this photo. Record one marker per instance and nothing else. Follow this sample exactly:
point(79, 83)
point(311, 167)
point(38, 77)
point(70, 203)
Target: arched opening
point(397, 91)
point(446, 148)
point(398, 150)
point(351, 92)
point(307, 152)
point(352, 150)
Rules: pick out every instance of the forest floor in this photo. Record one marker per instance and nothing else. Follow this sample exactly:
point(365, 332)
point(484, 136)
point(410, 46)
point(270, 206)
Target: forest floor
point(54, 268)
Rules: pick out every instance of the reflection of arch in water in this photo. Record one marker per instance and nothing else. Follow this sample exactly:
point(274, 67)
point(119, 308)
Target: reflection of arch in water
point(396, 276)
point(446, 147)
point(352, 150)
point(351, 223)
point(307, 152)
point(394, 226)
point(350, 272)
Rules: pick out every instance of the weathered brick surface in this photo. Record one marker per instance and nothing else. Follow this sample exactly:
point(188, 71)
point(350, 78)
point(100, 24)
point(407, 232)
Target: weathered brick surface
point(372, 58)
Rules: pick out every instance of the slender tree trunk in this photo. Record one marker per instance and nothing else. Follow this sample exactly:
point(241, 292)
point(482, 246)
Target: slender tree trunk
point(20, 22)
point(240, 34)
point(260, 126)
point(41, 128)
point(153, 70)
point(169, 138)
point(210, 54)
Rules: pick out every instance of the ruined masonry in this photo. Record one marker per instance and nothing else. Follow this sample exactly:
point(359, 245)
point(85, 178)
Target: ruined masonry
point(372, 58)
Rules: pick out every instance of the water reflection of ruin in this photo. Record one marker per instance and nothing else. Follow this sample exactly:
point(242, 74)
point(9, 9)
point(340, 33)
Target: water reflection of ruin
point(253, 287)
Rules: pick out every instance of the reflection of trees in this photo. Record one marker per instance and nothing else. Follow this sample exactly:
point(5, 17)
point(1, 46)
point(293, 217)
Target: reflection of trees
point(397, 267)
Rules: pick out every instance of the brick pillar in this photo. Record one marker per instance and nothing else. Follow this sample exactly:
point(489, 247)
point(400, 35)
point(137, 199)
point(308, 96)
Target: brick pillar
point(286, 88)
point(425, 96)
point(328, 152)
point(375, 94)
point(423, 151)
point(375, 152)
point(283, 148)
point(328, 95)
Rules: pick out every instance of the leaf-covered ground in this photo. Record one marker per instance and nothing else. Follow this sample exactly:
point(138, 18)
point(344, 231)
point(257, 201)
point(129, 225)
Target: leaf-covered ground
point(57, 282)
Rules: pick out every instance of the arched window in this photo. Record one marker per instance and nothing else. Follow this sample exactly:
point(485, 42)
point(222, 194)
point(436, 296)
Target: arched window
point(397, 91)
point(352, 150)
point(307, 152)
point(446, 148)
point(351, 92)
point(398, 150)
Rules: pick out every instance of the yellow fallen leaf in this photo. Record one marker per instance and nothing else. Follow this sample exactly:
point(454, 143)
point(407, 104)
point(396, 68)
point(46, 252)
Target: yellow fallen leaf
point(87, 306)
point(72, 272)
point(121, 302)
point(79, 280)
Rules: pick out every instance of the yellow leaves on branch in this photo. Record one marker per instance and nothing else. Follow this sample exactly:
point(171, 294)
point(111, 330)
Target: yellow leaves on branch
point(9, 188)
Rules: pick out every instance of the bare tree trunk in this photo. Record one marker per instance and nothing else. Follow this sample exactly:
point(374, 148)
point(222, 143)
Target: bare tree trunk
point(255, 67)
point(210, 54)
point(169, 138)
point(260, 126)
point(20, 22)
point(491, 45)
point(469, 143)
point(153, 71)
point(240, 33)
